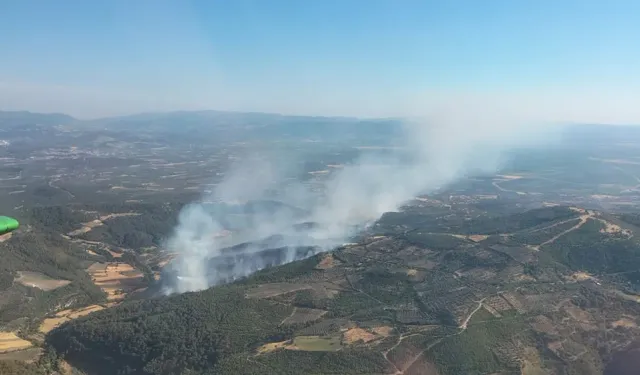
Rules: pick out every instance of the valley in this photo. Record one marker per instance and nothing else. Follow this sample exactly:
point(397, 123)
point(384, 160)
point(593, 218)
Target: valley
point(532, 269)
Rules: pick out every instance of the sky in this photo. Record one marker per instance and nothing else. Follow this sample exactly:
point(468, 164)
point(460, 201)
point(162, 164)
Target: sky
point(560, 60)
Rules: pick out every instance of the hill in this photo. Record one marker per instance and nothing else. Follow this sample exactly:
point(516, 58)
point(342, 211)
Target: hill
point(446, 283)
point(412, 297)
point(21, 118)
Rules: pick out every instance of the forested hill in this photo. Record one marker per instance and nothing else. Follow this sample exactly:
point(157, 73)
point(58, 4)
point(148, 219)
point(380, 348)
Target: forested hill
point(413, 297)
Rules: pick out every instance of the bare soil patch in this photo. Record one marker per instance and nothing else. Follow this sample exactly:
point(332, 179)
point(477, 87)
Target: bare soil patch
point(39, 280)
point(10, 342)
point(5, 237)
point(316, 343)
point(384, 331)
point(117, 280)
point(478, 237)
point(624, 322)
point(531, 364)
point(86, 227)
point(611, 228)
point(272, 346)
point(66, 315)
point(357, 334)
point(327, 262)
point(580, 276)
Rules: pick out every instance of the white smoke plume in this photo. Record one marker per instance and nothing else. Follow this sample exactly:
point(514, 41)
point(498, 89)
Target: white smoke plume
point(433, 154)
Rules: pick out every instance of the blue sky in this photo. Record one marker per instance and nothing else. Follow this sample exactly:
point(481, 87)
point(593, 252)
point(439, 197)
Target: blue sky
point(572, 60)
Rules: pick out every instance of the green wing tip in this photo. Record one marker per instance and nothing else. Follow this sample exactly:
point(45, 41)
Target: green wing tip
point(8, 224)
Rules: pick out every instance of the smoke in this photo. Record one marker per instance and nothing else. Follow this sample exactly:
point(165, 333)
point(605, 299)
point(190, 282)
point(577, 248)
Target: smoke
point(433, 154)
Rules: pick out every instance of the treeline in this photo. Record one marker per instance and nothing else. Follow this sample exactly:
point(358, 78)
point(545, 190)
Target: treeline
point(150, 227)
point(393, 222)
point(60, 219)
point(290, 362)
point(587, 248)
point(193, 331)
point(11, 367)
point(516, 222)
point(47, 253)
point(44, 252)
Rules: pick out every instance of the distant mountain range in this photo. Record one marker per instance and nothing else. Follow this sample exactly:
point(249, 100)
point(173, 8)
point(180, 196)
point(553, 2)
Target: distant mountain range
point(268, 126)
point(227, 124)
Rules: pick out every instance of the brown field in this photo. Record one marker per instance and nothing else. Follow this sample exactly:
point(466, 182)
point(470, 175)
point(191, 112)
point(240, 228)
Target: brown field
point(577, 313)
point(327, 262)
point(421, 366)
point(543, 324)
point(611, 228)
point(383, 331)
point(114, 254)
point(404, 355)
point(357, 334)
point(116, 279)
point(531, 364)
point(66, 368)
point(513, 301)
point(478, 237)
point(624, 322)
point(10, 342)
point(97, 267)
point(26, 355)
point(266, 348)
point(316, 343)
point(86, 227)
point(492, 311)
point(498, 303)
point(123, 214)
point(580, 276)
point(66, 315)
point(40, 281)
point(304, 343)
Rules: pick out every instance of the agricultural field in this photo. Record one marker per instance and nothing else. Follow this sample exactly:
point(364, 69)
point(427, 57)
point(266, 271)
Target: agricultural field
point(116, 279)
point(10, 342)
point(530, 270)
point(66, 315)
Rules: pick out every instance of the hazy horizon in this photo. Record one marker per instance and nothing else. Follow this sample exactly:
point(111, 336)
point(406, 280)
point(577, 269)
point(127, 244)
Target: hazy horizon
point(568, 62)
